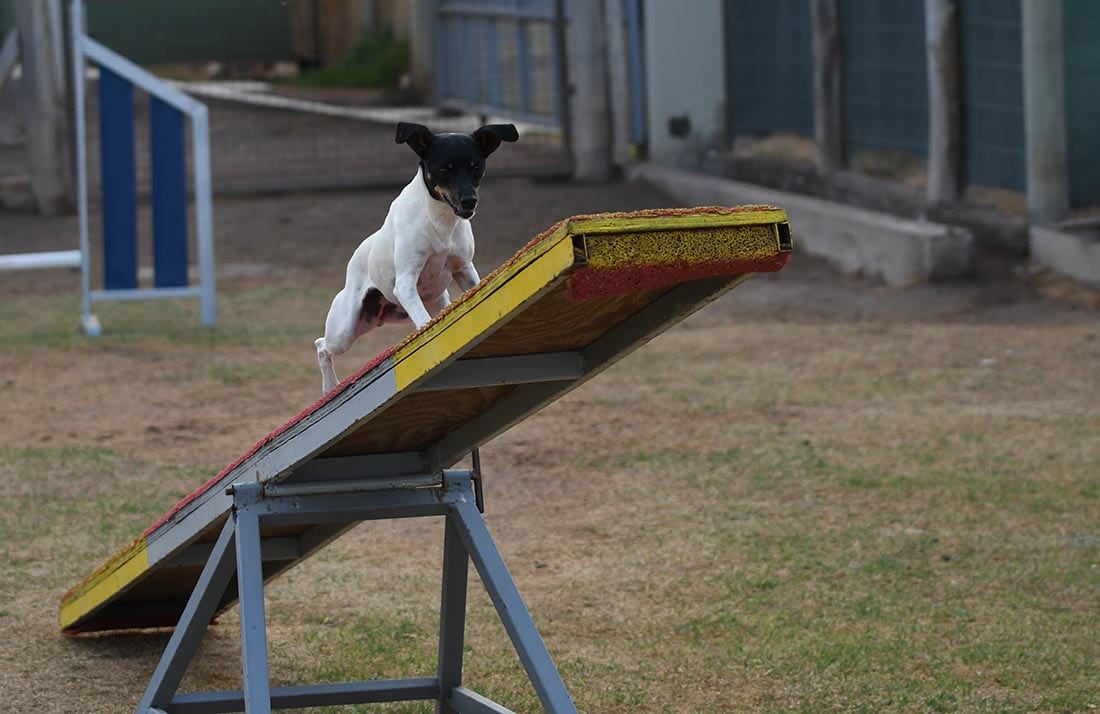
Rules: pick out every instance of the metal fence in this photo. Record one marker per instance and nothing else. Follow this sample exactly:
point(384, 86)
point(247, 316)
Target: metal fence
point(770, 67)
point(497, 57)
point(993, 93)
point(7, 17)
point(1082, 28)
point(279, 136)
point(885, 75)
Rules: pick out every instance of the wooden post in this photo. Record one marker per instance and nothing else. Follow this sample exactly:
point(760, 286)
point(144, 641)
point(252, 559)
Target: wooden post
point(619, 81)
point(590, 111)
point(944, 101)
point(422, 48)
point(1045, 110)
point(828, 85)
point(45, 113)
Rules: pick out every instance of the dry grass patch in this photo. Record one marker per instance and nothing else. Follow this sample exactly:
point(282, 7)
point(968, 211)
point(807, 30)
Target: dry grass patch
point(742, 516)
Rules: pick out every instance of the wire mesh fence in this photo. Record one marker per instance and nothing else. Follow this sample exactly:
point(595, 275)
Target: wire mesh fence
point(287, 135)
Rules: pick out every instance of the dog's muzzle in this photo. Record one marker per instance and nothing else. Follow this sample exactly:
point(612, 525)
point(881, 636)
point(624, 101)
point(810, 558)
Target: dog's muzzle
point(466, 208)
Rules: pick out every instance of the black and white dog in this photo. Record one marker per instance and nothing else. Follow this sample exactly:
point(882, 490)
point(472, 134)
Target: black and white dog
point(402, 271)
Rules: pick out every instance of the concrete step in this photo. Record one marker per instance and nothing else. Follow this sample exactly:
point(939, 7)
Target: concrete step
point(899, 250)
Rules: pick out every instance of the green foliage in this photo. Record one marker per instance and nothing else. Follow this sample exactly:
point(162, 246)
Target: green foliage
point(377, 61)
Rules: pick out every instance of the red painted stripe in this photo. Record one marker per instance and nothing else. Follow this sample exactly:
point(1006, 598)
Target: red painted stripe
point(271, 437)
point(587, 282)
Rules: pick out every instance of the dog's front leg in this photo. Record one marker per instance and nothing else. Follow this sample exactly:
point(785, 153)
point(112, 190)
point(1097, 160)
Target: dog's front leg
point(404, 288)
point(466, 277)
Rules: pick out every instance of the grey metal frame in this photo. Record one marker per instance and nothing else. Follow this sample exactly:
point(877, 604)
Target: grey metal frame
point(238, 551)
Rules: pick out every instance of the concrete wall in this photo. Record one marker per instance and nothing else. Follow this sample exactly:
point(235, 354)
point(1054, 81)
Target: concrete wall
point(685, 75)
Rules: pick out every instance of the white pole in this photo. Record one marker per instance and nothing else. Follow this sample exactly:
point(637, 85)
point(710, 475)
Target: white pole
point(76, 23)
point(204, 221)
point(32, 261)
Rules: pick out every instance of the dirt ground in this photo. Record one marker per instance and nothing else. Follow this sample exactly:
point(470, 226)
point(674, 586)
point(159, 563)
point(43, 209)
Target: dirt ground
point(165, 407)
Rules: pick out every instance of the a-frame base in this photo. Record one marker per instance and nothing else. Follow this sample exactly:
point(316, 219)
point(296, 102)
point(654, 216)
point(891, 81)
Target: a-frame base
point(237, 551)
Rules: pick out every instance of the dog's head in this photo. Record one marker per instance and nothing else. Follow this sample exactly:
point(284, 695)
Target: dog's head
point(453, 164)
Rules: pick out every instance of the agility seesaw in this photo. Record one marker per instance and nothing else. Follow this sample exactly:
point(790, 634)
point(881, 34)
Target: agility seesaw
point(382, 444)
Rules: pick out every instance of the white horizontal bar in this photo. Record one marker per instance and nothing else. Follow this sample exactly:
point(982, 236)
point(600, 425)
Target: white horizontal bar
point(143, 294)
point(33, 261)
point(259, 95)
point(143, 79)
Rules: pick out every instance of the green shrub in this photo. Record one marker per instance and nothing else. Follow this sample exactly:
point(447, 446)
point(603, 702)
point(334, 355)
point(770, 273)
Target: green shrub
point(377, 61)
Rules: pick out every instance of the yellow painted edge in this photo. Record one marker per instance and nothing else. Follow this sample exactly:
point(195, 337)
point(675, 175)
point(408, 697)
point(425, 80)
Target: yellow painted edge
point(597, 226)
point(105, 587)
point(456, 331)
point(527, 276)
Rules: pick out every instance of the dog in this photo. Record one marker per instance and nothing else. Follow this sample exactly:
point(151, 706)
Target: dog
point(402, 271)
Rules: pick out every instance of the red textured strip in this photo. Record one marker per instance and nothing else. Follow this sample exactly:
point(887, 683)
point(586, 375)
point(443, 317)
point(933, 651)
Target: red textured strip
point(587, 282)
point(271, 437)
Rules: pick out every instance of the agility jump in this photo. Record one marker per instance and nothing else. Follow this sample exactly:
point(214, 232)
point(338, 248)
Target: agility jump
point(169, 108)
point(383, 444)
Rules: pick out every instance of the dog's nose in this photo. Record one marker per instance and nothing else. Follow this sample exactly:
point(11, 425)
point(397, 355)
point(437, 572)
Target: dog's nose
point(469, 203)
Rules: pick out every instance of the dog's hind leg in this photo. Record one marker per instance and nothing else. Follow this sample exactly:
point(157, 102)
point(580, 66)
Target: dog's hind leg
point(352, 314)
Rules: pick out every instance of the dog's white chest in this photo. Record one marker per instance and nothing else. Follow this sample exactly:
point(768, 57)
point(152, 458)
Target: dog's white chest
point(435, 277)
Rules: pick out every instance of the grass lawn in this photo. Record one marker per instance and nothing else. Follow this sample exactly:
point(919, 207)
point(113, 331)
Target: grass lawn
point(745, 515)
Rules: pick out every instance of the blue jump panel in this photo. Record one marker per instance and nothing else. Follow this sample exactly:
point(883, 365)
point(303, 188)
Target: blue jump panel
point(169, 195)
point(116, 137)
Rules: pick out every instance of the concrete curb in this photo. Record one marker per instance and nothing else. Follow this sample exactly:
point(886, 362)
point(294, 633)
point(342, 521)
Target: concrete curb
point(901, 251)
point(1069, 253)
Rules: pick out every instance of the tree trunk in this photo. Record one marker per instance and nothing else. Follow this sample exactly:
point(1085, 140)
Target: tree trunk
point(45, 113)
point(944, 101)
point(589, 111)
point(828, 85)
point(1045, 111)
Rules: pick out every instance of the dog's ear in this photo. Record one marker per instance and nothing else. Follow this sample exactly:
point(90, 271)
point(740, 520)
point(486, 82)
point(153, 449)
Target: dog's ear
point(489, 136)
point(417, 136)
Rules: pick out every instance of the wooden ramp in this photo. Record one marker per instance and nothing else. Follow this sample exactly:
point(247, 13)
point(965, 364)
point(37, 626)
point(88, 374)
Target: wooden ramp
point(573, 301)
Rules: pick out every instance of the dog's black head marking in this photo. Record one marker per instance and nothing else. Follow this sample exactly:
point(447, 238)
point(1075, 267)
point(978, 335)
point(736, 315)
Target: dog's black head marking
point(453, 164)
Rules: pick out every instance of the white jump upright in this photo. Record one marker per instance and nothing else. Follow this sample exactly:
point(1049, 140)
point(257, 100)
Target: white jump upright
point(168, 106)
point(166, 102)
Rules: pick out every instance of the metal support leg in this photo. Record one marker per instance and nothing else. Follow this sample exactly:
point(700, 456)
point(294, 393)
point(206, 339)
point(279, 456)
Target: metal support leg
point(465, 538)
point(250, 581)
point(510, 607)
point(452, 616)
point(196, 616)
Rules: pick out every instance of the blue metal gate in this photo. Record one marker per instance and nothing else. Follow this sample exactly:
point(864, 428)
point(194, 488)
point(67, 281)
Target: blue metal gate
point(502, 58)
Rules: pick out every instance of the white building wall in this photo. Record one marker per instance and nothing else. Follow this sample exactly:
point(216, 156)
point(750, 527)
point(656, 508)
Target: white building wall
point(685, 75)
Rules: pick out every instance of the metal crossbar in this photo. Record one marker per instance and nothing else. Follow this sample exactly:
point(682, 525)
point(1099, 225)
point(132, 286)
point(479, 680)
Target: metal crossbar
point(239, 551)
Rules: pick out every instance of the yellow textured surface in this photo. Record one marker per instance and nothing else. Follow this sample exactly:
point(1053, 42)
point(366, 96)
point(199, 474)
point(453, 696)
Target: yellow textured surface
point(683, 247)
point(461, 327)
point(106, 584)
point(675, 219)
